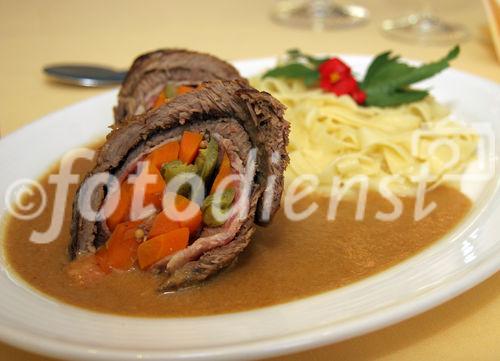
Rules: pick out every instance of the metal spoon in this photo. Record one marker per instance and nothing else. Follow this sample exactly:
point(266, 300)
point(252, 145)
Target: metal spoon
point(84, 75)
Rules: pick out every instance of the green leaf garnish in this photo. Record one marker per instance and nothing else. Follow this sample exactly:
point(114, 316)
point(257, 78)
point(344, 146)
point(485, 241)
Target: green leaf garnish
point(296, 71)
point(387, 79)
point(298, 56)
point(396, 98)
point(298, 65)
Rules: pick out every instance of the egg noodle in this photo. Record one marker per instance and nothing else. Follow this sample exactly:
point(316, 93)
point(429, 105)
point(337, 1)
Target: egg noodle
point(333, 137)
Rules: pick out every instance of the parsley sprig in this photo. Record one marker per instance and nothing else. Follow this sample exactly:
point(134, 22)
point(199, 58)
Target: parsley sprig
point(387, 82)
point(298, 66)
point(388, 79)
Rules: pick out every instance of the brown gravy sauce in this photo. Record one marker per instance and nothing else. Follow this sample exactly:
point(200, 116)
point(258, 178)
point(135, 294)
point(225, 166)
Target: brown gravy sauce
point(284, 262)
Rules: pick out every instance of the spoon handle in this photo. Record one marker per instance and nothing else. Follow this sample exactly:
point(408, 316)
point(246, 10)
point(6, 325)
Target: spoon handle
point(84, 75)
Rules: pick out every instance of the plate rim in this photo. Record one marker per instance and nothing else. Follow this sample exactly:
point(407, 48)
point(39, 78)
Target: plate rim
point(285, 344)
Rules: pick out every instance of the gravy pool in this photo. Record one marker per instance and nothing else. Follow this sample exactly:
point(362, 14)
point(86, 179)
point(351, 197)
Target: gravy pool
point(284, 262)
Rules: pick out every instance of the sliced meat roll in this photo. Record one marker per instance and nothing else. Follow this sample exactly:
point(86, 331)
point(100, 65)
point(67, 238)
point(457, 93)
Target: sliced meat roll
point(225, 128)
point(159, 75)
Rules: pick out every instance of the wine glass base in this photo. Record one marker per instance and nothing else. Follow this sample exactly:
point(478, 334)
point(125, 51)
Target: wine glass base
point(318, 15)
point(424, 29)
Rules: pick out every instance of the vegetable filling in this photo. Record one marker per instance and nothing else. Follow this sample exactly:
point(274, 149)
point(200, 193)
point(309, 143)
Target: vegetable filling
point(174, 219)
point(169, 92)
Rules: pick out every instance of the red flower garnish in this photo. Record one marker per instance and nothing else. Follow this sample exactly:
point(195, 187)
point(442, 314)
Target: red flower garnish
point(336, 77)
point(334, 65)
point(359, 96)
point(340, 86)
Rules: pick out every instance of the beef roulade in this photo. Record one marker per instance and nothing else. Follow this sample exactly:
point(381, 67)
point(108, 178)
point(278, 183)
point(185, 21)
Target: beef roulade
point(160, 75)
point(227, 136)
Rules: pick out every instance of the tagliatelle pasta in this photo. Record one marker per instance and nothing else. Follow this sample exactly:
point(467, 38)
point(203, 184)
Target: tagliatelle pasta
point(334, 137)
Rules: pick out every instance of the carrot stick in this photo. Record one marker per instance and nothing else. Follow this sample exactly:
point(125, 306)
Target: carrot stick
point(153, 192)
point(166, 153)
point(190, 143)
point(160, 100)
point(102, 259)
point(155, 249)
point(122, 246)
point(224, 171)
point(121, 212)
point(194, 222)
point(183, 89)
point(166, 221)
point(162, 224)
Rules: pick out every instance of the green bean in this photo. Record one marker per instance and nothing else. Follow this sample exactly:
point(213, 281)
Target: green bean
point(223, 205)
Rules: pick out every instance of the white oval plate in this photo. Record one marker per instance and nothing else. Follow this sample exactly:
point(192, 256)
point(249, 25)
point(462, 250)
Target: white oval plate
point(31, 320)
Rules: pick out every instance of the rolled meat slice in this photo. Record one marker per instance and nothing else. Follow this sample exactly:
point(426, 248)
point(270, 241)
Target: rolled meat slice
point(246, 131)
point(158, 75)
